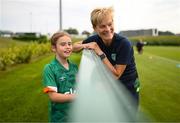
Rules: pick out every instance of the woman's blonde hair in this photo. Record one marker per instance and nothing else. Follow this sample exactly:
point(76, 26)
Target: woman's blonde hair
point(57, 35)
point(98, 14)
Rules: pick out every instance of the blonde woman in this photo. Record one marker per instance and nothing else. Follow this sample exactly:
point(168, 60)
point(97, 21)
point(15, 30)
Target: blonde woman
point(115, 51)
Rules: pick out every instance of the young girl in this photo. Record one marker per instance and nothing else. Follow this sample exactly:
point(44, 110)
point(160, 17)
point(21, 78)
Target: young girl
point(59, 77)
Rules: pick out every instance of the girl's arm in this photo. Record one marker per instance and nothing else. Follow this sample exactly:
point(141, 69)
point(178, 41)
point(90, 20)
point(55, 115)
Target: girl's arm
point(58, 97)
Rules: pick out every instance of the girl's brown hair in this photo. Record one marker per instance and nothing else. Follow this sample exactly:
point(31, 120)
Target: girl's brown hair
point(57, 35)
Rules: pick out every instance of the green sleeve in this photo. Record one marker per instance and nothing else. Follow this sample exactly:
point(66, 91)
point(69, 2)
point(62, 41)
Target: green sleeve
point(48, 76)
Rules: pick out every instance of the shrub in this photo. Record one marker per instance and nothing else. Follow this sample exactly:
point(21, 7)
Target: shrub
point(158, 40)
point(22, 54)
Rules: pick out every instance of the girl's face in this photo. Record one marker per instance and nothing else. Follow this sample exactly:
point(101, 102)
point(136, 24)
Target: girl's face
point(105, 29)
point(63, 47)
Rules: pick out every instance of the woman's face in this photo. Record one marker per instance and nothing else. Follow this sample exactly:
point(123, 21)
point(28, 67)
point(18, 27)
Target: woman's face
point(105, 29)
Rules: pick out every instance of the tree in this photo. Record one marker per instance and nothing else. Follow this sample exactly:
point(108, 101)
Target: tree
point(71, 31)
point(166, 33)
point(86, 33)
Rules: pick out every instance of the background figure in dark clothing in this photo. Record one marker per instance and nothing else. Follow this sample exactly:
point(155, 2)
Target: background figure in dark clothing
point(139, 46)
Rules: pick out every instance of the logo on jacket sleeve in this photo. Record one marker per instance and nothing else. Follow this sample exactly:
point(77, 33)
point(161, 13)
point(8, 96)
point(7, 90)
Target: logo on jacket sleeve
point(113, 56)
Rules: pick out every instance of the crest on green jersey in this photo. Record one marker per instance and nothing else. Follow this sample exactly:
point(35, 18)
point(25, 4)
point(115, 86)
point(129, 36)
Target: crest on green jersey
point(62, 78)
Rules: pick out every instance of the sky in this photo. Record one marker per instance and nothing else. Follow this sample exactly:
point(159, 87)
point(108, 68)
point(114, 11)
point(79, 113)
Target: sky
point(43, 15)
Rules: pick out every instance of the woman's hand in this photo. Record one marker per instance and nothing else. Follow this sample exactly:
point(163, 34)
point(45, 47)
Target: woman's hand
point(93, 46)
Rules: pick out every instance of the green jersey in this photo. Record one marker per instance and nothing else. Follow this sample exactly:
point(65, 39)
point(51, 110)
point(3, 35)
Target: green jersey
point(60, 80)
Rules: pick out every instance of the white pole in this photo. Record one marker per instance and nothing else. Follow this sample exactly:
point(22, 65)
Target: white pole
point(1, 14)
point(30, 21)
point(60, 15)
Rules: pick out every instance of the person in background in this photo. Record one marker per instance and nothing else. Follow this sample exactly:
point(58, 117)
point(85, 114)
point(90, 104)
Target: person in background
point(115, 51)
point(139, 46)
point(59, 78)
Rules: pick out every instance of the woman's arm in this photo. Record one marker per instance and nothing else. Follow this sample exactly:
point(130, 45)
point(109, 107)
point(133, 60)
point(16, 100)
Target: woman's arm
point(117, 70)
